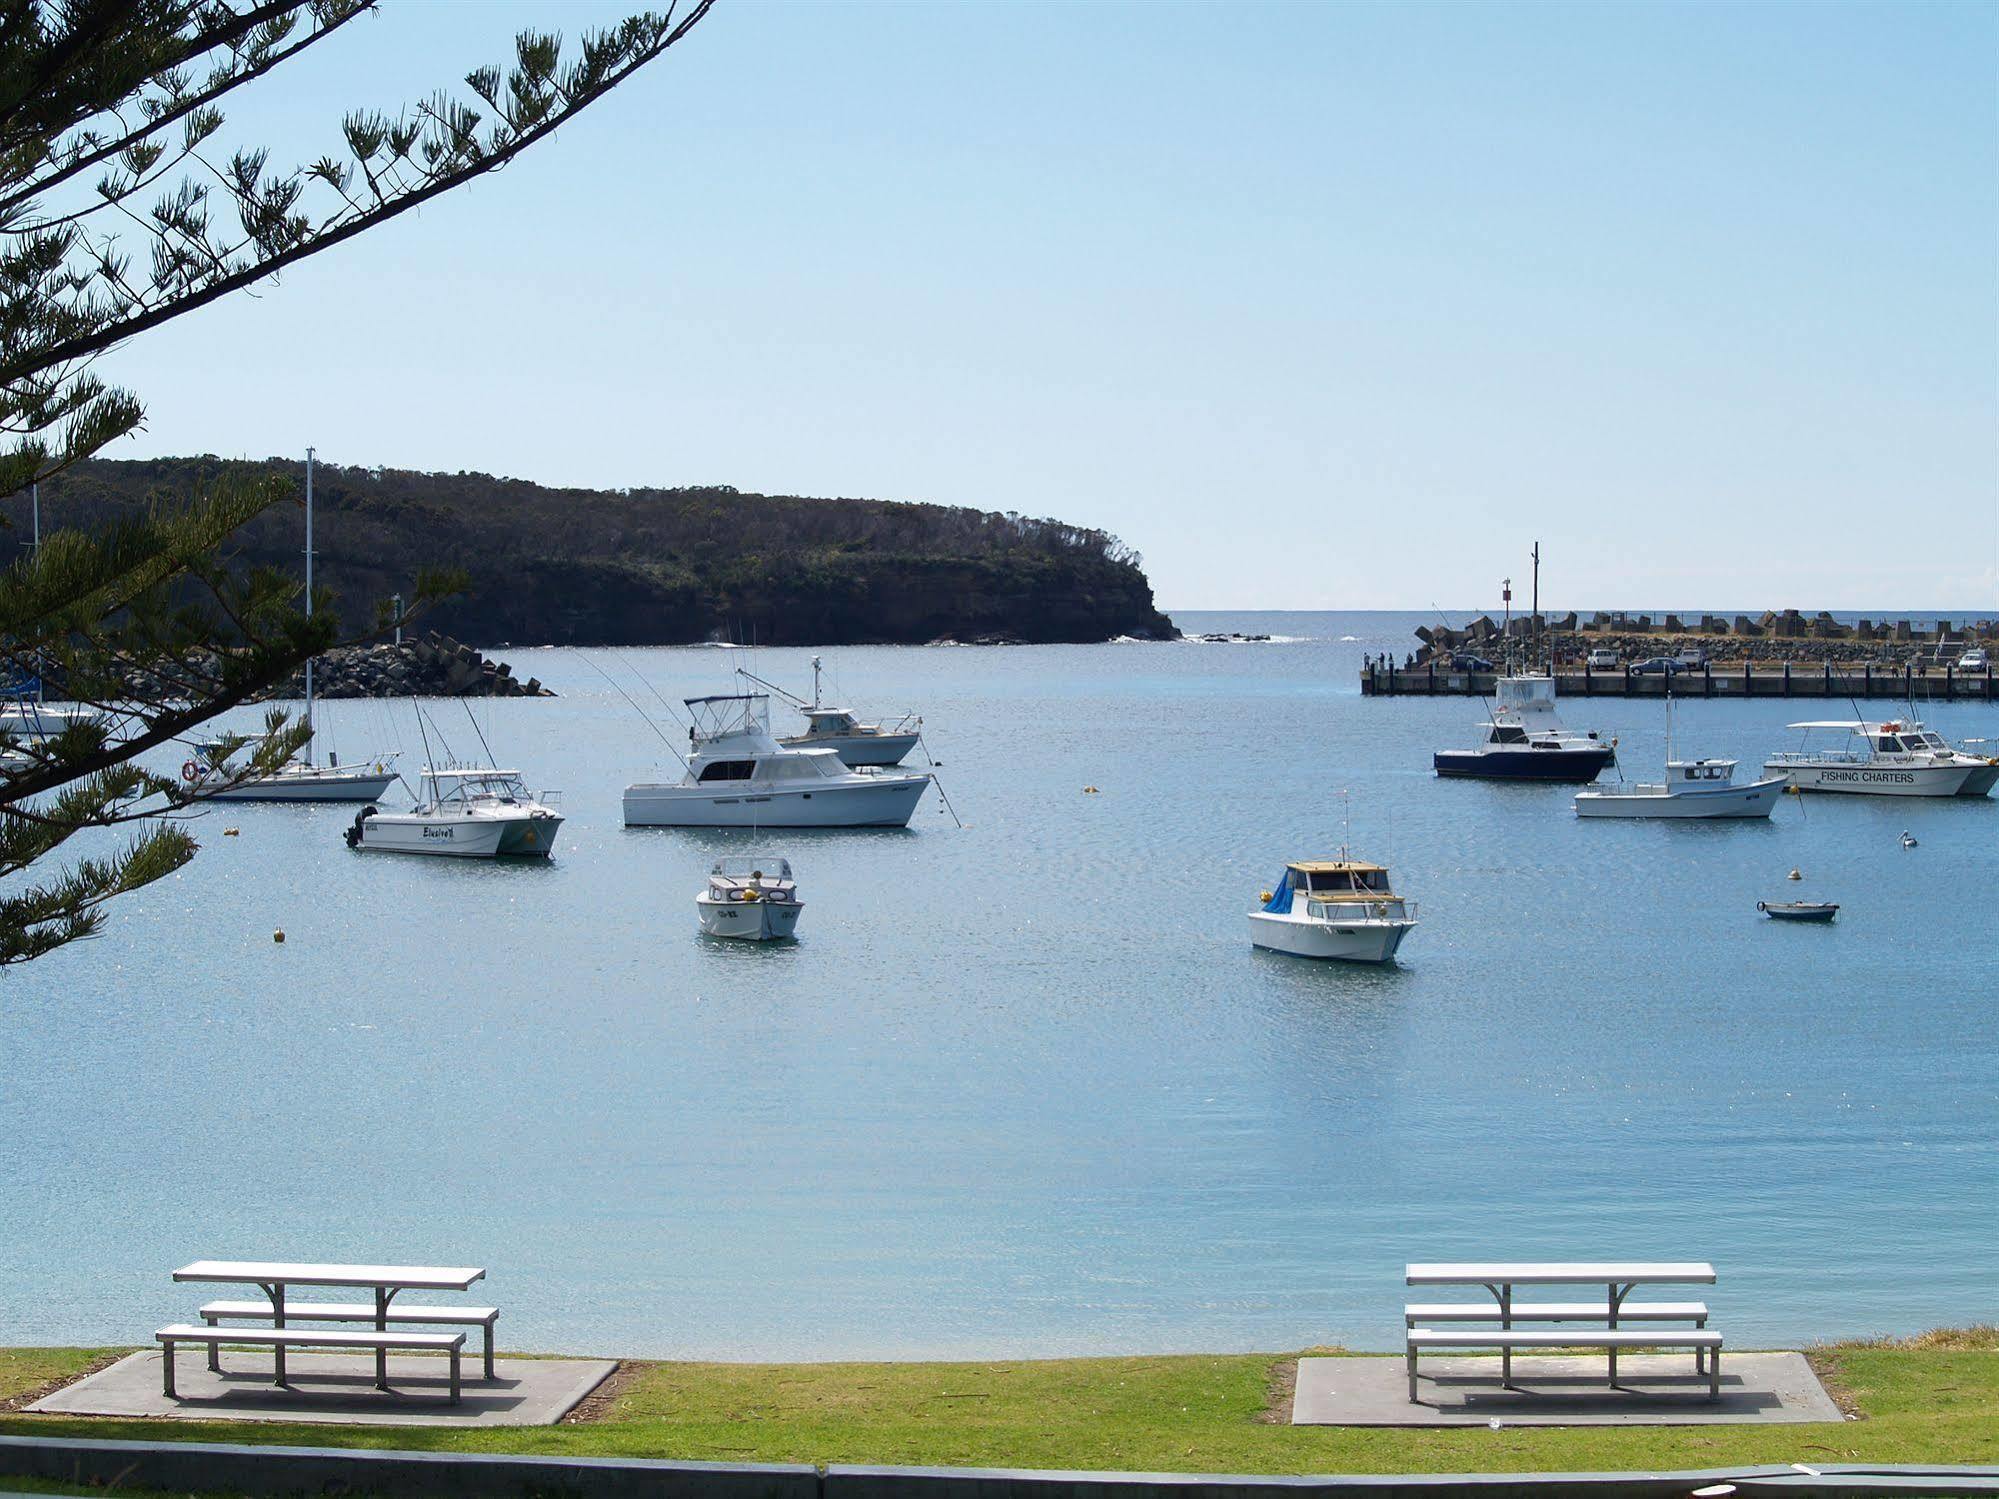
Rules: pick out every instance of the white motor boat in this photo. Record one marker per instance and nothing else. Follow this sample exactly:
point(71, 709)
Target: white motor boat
point(839, 730)
point(474, 812)
point(1692, 788)
point(740, 777)
point(1337, 908)
point(297, 780)
point(755, 899)
point(32, 720)
point(1896, 757)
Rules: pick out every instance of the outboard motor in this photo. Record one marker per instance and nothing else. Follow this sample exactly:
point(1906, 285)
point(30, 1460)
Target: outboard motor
point(353, 834)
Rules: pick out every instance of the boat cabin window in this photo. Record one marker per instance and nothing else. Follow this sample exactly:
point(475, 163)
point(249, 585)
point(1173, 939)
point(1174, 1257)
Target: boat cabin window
point(1508, 734)
point(1888, 744)
point(728, 770)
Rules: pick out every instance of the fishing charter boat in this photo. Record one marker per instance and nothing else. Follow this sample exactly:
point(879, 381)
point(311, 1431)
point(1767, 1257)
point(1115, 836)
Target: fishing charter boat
point(738, 777)
point(1526, 741)
point(1335, 908)
point(754, 899)
point(839, 730)
point(1895, 757)
point(464, 812)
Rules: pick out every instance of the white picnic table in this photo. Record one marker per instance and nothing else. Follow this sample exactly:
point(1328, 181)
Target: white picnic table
point(1619, 1277)
point(272, 1276)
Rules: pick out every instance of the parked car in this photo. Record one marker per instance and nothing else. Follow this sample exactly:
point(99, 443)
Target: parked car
point(1602, 656)
point(1692, 659)
point(1974, 659)
point(1466, 661)
point(1658, 666)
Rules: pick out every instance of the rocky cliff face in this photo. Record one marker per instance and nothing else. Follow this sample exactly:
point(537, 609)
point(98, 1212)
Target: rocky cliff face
point(664, 567)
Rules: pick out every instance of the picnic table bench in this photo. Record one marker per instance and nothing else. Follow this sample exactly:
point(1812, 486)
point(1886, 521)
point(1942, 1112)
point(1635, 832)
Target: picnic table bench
point(273, 1277)
point(1618, 1278)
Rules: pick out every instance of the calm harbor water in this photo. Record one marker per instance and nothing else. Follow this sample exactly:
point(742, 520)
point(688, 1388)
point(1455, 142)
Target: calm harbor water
point(1023, 1087)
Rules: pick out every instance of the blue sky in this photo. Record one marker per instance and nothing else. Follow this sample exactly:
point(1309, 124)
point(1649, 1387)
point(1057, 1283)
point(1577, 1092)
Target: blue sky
point(1319, 306)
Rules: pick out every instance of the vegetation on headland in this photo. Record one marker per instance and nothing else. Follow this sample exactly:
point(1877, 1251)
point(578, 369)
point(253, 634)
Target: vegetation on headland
point(667, 566)
point(1933, 1399)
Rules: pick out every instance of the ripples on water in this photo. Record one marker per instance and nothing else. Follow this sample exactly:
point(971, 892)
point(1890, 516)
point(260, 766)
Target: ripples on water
point(1025, 1088)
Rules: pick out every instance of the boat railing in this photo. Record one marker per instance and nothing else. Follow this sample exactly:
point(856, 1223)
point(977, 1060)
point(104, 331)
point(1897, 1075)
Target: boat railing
point(1818, 757)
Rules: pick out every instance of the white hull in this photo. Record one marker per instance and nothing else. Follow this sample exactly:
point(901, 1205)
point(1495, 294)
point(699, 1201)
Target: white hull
point(858, 749)
point(1874, 779)
point(749, 920)
point(882, 802)
point(1753, 800)
point(1367, 940)
point(459, 837)
point(321, 785)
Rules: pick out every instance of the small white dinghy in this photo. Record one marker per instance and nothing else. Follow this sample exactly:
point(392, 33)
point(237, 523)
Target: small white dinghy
point(755, 899)
point(1333, 908)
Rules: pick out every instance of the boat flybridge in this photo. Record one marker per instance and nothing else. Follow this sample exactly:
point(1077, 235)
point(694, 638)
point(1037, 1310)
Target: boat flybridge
point(750, 897)
point(1895, 757)
point(1526, 741)
point(464, 812)
point(839, 730)
point(738, 777)
point(1333, 908)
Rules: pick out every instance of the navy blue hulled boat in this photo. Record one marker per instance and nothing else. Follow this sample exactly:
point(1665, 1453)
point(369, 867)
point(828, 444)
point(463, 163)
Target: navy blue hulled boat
point(1525, 741)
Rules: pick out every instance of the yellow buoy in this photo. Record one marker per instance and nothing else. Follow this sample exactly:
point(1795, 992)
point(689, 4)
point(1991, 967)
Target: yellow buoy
point(231, 832)
point(1089, 791)
point(278, 935)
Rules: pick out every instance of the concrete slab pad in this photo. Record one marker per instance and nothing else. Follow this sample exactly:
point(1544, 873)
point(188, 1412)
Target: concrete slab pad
point(1652, 1390)
point(333, 1387)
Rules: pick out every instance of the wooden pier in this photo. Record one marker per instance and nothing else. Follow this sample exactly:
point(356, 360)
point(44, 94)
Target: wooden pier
point(1718, 679)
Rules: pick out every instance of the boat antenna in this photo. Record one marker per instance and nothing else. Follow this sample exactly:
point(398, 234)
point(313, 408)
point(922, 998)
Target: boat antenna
point(420, 729)
point(490, 761)
point(646, 682)
point(790, 697)
point(1346, 827)
point(619, 689)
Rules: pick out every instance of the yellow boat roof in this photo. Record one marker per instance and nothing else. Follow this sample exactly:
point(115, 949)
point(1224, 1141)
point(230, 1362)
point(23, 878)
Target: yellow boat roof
point(1336, 866)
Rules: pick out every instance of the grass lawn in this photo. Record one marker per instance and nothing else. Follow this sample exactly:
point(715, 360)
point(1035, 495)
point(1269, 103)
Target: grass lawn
point(1933, 1399)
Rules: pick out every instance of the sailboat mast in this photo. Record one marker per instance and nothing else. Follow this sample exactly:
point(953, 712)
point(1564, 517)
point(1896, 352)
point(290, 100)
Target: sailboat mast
point(35, 501)
point(308, 596)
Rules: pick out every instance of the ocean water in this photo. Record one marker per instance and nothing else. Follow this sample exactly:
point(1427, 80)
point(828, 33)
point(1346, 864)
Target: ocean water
point(1023, 1087)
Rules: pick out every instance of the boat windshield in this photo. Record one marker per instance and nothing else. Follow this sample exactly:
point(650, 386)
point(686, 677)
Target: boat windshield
point(752, 867)
point(832, 721)
point(503, 786)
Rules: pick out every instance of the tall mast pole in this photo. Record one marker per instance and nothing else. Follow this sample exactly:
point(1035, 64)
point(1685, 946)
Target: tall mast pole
point(35, 502)
point(1535, 624)
point(308, 596)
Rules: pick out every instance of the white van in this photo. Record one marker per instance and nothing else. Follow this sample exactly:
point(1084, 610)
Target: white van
point(1602, 656)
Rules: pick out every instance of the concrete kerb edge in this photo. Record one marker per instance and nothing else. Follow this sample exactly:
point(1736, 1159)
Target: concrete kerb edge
point(259, 1470)
point(293, 1470)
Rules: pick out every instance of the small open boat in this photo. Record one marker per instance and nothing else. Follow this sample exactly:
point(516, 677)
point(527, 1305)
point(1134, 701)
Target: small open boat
point(1798, 910)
